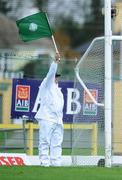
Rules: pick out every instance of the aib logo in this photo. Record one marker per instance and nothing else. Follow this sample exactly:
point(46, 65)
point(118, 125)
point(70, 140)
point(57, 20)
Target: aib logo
point(89, 108)
point(22, 100)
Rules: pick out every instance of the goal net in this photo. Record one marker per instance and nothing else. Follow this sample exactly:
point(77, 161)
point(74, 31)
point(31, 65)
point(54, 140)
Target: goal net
point(88, 130)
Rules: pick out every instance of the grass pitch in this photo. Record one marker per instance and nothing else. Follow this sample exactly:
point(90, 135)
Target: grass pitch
point(59, 173)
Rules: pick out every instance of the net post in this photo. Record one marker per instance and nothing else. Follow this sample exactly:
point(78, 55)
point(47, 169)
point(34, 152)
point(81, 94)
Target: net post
point(94, 139)
point(30, 139)
point(108, 83)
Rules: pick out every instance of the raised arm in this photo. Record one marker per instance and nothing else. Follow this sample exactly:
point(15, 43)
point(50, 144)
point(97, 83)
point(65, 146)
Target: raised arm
point(50, 77)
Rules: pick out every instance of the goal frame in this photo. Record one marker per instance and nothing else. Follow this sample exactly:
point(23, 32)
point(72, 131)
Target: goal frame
point(108, 94)
point(108, 38)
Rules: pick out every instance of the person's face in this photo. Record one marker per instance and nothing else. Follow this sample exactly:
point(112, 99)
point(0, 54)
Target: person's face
point(56, 80)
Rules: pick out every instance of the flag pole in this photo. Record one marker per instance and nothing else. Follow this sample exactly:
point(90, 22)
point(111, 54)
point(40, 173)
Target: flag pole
point(55, 44)
point(53, 39)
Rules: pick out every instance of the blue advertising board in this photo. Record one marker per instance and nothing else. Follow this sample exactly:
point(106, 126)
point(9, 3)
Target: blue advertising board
point(25, 92)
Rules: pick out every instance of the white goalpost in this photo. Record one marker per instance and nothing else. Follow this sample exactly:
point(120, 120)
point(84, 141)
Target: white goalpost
point(108, 83)
point(94, 82)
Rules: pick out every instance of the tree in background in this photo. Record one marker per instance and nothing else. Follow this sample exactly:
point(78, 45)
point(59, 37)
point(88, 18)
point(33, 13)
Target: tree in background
point(71, 29)
point(4, 8)
point(92, 26)
point(16, 9)
point(64, 41)
point(67, 9)
point(41, 4)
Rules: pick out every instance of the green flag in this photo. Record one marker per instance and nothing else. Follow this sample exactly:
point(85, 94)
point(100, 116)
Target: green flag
point(34, 27)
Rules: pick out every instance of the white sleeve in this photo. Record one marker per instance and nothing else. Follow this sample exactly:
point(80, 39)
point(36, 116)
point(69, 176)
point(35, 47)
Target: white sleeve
point(50, 77)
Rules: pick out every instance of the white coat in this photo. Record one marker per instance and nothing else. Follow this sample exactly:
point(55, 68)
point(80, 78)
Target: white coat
point(51, 98)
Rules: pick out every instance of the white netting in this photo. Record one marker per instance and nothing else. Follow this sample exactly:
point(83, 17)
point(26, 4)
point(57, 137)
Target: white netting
point(88, 122)
point(91, 71)
point(117, 98)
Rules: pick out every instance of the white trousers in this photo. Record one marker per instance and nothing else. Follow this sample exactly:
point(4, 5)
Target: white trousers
point(50, 140)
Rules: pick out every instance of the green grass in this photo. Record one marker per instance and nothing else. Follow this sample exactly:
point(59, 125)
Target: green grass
point(60, 173)
point(1, 138)
point(65, 151)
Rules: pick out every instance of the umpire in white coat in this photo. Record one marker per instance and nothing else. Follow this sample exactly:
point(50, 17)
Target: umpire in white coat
point(49, 116)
